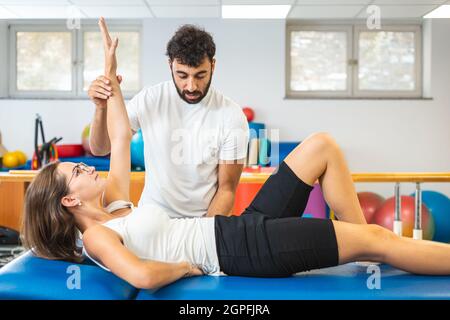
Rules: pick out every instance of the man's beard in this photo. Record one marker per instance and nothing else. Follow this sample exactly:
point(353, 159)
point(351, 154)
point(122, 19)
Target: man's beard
point(200, 97)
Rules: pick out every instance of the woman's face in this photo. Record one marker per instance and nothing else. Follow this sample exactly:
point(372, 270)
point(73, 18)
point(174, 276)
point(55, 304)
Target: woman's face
point(83, 181)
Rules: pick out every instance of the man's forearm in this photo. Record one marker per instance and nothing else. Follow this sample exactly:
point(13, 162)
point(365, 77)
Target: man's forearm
point(222, 203)
point(99, 139)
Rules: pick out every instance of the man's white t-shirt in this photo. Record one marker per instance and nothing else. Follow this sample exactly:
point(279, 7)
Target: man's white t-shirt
point(183, 144)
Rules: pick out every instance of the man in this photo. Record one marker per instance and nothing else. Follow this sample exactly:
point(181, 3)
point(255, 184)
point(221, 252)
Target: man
point(195, 138)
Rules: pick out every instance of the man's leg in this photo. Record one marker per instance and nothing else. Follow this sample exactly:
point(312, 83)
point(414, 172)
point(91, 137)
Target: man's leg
point(319, 157)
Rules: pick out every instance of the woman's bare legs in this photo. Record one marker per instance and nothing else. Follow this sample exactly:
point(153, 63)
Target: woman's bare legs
point(358, 242)
point(319, 157)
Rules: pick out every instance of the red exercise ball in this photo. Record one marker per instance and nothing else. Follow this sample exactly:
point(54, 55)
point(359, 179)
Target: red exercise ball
point(384, 216)
point(369, 202)
point(249, 113)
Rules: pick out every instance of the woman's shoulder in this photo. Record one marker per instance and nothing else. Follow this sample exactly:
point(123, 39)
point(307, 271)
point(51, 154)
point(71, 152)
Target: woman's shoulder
point(96, 239)
point(93, 233)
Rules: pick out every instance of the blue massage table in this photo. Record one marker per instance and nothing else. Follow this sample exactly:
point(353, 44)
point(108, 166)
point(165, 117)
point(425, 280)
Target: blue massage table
point(29, 277)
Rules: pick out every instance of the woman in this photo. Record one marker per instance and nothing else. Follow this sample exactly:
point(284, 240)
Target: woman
point(149, 250)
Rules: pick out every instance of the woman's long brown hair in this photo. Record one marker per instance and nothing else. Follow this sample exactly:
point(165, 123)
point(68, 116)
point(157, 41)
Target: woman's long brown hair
point(48, 228)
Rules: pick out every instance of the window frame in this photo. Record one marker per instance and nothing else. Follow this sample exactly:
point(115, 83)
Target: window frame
point(352, 92)
point(112, 28)
point(417, 92)
point(318, 93)
point(13, 91)
point(77, 42)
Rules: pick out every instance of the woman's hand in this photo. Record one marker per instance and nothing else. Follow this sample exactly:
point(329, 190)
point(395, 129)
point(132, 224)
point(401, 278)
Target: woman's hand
point(110, 50)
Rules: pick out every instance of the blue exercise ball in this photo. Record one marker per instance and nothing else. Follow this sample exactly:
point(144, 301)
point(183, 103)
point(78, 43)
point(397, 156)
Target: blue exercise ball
point(137, 151)
point(438, 205)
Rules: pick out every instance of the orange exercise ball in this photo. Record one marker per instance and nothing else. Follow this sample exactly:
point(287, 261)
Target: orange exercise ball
point(384, 216)
point(369, 202)
point(10, 160)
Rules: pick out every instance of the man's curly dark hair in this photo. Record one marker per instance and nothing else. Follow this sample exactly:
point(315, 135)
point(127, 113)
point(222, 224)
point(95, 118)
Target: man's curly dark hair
point(190, 44)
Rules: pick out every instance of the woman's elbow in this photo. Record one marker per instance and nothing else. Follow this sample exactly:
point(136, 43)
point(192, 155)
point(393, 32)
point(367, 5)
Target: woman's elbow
point(145, 280)
point(144, 284)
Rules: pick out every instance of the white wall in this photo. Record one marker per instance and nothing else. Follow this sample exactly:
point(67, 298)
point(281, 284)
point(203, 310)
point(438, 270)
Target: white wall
point(376, 135)
point(3, 59)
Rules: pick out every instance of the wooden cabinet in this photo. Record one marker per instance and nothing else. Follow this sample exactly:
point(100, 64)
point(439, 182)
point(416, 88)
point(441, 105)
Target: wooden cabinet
point(12, 196)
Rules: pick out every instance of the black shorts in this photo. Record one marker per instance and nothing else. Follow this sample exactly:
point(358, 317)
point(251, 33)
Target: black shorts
point(270, 239)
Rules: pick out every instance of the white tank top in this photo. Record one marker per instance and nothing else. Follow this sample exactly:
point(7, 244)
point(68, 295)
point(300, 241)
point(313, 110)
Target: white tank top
point(150, 234)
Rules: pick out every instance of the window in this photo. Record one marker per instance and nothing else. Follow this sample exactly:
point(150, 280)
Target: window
point(352, 61)
point(52, 61)
point(127, 57)
point(318, 58)
point(41, 62)
point(40, 53)
point(389, 62)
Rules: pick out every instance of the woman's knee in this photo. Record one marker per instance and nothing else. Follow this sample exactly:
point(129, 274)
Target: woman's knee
point(357, 242)
point(323, 141)
point(379, 240)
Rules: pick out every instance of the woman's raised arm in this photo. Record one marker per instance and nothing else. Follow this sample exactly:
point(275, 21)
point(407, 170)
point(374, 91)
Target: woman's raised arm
point(118, 125)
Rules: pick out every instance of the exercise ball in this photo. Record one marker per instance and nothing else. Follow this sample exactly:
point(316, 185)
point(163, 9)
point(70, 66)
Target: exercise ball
point(316, 205)
point(369, 202)
point(85, 139)
point(384, 217)
point(249, 113)
point(21, 156)
point(439, 206)
point(137, 151)
point(10, 160)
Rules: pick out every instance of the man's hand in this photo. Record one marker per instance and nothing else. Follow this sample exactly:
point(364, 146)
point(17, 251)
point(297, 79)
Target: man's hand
point(100, 90)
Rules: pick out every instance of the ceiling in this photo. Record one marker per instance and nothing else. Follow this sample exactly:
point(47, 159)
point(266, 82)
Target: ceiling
point(301, 9)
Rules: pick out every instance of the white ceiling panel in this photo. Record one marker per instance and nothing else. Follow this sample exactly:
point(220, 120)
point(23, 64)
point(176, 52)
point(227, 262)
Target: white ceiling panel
point(116, 12)
point(324, 12)
point(35, 2)
point(40, 12)
point(183, 2)
point(106, 3)
point(397, 2)
point(332, 2)
point(257, 2)
point(405, 11)
point(186, 12)
point(6, 14)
